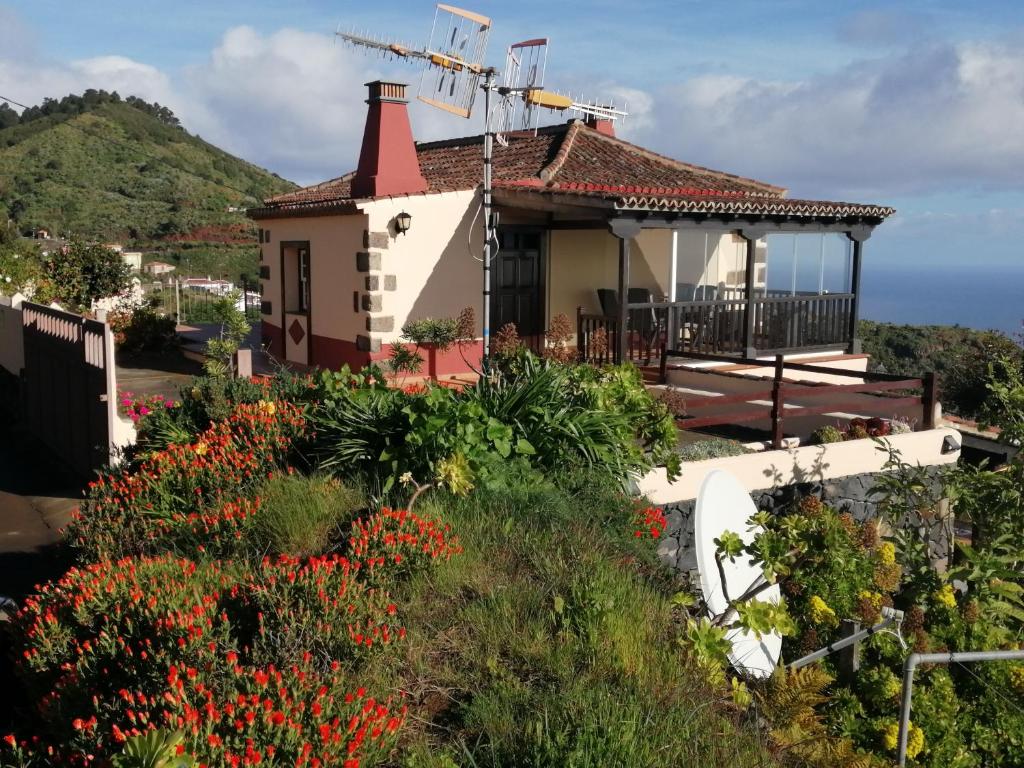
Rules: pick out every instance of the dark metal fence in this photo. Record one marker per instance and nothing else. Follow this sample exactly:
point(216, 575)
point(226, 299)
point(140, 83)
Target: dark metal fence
point(196, 305)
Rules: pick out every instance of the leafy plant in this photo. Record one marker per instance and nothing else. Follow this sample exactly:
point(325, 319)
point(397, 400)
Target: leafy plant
point(234, 327)
point(143, 329)
point(155, 749)
point(79, 274)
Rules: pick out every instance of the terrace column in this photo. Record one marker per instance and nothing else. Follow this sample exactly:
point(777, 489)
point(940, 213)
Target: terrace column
point(857, 236)
point(749, 312)
point(625, 230)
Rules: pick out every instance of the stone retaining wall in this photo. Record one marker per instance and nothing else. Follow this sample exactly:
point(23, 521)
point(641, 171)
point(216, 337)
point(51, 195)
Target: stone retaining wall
point(851, 494)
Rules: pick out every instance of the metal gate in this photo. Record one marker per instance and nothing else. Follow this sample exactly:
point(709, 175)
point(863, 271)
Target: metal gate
point(68, 380)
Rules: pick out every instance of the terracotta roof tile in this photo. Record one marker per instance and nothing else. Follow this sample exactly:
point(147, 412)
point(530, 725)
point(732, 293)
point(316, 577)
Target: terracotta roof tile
point(574, 160)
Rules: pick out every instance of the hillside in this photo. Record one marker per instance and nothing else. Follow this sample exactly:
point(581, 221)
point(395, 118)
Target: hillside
point(124, 170)
point(960, 357)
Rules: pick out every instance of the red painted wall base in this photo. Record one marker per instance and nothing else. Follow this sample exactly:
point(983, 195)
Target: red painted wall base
point(332, 354)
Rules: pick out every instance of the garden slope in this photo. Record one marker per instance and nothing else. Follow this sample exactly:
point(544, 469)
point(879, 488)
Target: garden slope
point(551, 640)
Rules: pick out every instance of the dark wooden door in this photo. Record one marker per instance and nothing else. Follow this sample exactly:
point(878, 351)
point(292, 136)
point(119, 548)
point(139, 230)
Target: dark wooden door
point(518, 283)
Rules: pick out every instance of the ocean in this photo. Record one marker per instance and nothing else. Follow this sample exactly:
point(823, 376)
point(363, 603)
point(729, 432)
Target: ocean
point(982, 297)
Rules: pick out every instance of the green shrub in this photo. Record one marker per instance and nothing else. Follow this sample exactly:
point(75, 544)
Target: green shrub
point(301, 515)
point(715, 448)
point(175, 497)
point(548, 416)
point(143, 330)
point(827, 434)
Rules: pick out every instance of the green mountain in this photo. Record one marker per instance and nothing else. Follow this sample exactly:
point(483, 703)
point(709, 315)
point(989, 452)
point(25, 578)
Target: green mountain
point(126, 171)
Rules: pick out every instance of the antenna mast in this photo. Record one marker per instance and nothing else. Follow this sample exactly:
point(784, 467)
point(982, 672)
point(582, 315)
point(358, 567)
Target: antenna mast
point(453, 70)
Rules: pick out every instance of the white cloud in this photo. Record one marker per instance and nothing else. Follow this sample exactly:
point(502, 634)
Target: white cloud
point(941, 117)
point(932, 118)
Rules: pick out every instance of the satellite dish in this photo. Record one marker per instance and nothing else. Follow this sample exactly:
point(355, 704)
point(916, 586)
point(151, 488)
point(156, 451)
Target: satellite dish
point(723, 504)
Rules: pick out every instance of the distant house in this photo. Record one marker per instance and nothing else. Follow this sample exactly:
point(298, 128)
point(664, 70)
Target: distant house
point(655, 250)
point(158, 268)
point(133, 259)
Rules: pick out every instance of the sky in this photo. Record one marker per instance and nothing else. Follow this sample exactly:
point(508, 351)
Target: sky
point(916, 104)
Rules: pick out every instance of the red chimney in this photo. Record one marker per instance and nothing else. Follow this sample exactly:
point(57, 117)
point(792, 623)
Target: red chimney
point(387, 162)
point(601, 125)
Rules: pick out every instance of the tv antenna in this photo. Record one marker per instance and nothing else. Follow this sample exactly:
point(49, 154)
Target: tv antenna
point(454, 70)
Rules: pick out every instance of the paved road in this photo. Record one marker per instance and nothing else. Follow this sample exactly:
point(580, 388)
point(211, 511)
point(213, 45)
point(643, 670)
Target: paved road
point(36, 501)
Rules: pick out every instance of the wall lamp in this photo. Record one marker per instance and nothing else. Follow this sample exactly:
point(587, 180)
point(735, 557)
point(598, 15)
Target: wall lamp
point(402, 223)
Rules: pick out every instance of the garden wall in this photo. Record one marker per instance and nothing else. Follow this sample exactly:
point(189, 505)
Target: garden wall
point(841, 474)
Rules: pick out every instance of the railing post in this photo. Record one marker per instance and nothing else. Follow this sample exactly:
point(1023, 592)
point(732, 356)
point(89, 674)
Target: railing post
point(663, 365)
point(778, 403)
point(625, 230)
point(857, 237)
point(929, 400)
point(580, 337)
point(749, 318)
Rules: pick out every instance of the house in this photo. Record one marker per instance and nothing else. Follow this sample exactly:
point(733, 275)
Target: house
point(133, 259)
point(158, 268)
point(654, 251)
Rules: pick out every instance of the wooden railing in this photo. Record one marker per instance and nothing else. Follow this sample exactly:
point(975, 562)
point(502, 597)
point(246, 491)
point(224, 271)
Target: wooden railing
point(596, 337)
point(781, 387)
point(783, 324)
point(780, 324)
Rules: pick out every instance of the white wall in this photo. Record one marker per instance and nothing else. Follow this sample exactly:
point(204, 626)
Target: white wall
point(812, 463)
point(436, 263)
point(333, 244)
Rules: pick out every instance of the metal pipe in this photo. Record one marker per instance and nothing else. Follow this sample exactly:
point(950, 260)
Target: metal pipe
point(488, 86)
point(957, 657)
point(890, 618)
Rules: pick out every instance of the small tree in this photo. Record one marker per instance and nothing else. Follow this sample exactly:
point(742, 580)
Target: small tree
point(19, 262)
point(79, 274)
point(220, 351)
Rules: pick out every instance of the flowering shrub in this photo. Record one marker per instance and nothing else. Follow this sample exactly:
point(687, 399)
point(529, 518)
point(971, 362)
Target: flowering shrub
point(136, 408)
point(227, 460)
point(395, 542)
point(294, 716)
point(648, 521)
point(318, 605)
point(227, 654)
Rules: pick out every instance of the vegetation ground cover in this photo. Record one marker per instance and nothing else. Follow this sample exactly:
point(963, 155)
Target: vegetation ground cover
point(327, 570)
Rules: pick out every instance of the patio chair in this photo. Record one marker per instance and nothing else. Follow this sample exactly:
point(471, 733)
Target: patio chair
point(686, 292)
point(643, 322)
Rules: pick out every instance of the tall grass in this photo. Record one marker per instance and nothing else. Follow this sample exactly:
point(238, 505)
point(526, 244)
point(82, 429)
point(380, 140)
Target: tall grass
point(302, 516)
point(551, 641)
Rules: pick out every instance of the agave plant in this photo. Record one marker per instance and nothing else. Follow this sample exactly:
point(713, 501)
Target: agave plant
point(155, 749)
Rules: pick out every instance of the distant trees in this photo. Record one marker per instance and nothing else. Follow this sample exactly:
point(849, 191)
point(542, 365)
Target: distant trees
point(961, 357)
point(73, 105)
point(8, 116)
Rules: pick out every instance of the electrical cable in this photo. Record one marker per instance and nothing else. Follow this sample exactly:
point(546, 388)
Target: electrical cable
point(989, 686)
